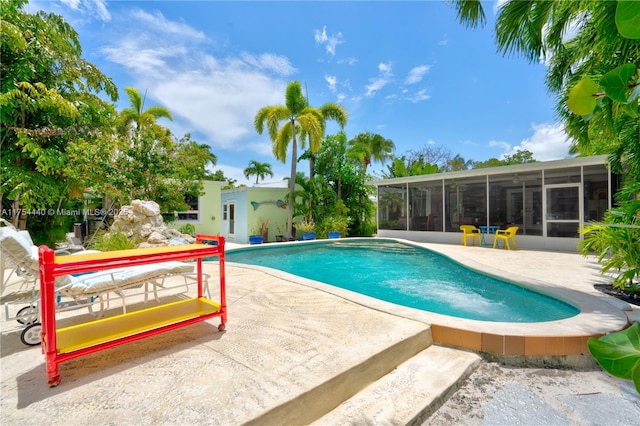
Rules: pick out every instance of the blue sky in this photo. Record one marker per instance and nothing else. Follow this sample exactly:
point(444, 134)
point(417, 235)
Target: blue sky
point(406, 70)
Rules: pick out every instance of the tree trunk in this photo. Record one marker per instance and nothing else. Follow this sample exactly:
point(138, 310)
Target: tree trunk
point(292, 185)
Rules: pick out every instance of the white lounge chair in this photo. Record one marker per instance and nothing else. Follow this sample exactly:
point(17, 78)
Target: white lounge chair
point(89, 288)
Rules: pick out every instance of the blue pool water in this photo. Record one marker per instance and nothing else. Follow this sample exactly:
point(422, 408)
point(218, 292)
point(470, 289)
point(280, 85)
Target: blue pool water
point(410, 276)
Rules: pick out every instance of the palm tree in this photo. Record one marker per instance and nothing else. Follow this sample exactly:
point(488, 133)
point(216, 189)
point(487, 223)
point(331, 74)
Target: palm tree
point(368, 147)
point(135, 114)
point(301, 123)
point(537, 29)
point(257, 169)
point(458, 163)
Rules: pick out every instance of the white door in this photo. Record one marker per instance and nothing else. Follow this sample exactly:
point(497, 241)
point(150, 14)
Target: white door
point(229, 220)
point(563, 210)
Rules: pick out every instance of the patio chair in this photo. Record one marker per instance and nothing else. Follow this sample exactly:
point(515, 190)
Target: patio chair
point(470, 231)
point(85, 289)
point(505, 236)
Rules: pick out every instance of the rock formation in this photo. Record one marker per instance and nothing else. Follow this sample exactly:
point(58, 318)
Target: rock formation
point(143, 222)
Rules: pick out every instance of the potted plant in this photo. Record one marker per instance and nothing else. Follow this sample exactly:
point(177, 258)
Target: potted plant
point(260, 233)
point(307, 227)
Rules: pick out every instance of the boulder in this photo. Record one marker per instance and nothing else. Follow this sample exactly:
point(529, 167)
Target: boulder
point(143, 222)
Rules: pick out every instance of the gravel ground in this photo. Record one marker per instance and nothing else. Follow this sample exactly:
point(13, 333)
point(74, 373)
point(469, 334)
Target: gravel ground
point(503, 395)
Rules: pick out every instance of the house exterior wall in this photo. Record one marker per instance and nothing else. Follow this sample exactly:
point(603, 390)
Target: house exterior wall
point(254, 204)
point(208, 214)
point(548, 201)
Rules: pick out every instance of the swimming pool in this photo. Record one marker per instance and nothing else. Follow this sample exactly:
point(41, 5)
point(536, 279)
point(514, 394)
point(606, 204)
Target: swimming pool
point(410, 276)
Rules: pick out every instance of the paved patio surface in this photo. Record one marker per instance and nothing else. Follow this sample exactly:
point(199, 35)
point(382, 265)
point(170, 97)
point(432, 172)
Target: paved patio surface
point(283, 338)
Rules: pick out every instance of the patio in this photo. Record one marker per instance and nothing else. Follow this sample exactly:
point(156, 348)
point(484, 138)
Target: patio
point(291, 353)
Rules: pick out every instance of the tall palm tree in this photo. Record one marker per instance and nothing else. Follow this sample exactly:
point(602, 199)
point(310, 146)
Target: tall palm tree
point(368, 147)
point(257, 169)
point(302, 123)
point(135, 115)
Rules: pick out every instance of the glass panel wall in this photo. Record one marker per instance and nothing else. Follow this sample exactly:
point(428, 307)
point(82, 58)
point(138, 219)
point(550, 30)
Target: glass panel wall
point(596, 192)
point(392, 207)
point(425, 204)
point(516, 200)
point(465, 203)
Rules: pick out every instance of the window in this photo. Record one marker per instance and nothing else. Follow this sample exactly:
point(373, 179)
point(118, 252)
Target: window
point(193, 201)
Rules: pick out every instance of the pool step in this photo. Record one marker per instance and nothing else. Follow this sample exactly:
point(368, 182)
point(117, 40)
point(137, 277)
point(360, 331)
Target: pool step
point(410, 393)
point(322, 399)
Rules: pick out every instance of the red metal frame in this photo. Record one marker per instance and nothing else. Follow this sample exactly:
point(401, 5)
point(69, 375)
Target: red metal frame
point(49, 270)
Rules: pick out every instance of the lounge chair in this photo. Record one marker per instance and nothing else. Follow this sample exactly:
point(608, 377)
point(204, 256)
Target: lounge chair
point(470, 231)
point(84, 289)
point(505, 236)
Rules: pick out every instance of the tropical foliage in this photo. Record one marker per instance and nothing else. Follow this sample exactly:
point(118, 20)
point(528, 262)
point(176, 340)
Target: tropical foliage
point(60, 137)
point(368, 147)
point(301, 124)
point(616, 242)
point(49, 95)
point(258, 169)
point(619, 353)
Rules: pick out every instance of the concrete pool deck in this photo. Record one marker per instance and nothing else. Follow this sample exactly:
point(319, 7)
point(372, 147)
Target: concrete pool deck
point(291, 346)
point(565, 276)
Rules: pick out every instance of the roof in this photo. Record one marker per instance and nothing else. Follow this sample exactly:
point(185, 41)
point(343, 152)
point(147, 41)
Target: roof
point(516, 168)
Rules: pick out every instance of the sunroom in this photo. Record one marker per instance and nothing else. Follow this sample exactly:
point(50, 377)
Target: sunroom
point(547, 201)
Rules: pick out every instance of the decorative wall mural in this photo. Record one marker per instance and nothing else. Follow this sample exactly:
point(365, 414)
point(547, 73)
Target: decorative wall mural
point(278, 203)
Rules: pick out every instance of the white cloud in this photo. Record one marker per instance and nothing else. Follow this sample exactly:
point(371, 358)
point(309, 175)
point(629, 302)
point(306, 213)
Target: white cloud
point(505, 146)
point(331, 82)
point(416, 74)
point(90, 7)
point(269, 62)
point(420, 96)
point(213, 96)
point(548, 142)
point(331, 41)
point(158, 22)
point(377, 83)
point(348, 61)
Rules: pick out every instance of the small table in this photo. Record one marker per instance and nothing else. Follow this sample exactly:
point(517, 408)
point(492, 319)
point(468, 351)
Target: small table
point(484, 230)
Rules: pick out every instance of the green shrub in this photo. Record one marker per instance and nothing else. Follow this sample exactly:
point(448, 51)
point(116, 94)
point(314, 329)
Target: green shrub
point(110, 241)
point(188, 229)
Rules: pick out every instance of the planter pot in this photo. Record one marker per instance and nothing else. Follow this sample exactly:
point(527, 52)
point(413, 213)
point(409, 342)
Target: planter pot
point(255, 239)
point(309, 236)
point(334, 234)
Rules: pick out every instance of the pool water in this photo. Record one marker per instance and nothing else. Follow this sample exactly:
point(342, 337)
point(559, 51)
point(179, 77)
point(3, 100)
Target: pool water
point(410, 276)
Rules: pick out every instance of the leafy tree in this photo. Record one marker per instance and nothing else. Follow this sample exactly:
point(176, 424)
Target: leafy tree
point(401, 167)
point(491, 162)
point(519, 157)
point(345, 174)
point(258, 169)
point(458, 163)
point(332, 161)
point(368, 147)
point(302, 123)
point(49, 96)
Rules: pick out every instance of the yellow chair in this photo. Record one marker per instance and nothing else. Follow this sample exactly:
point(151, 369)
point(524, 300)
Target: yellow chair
point(506, 235)
point(470, 231)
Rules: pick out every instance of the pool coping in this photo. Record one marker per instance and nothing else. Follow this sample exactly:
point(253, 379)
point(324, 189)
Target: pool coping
point(565, 338)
